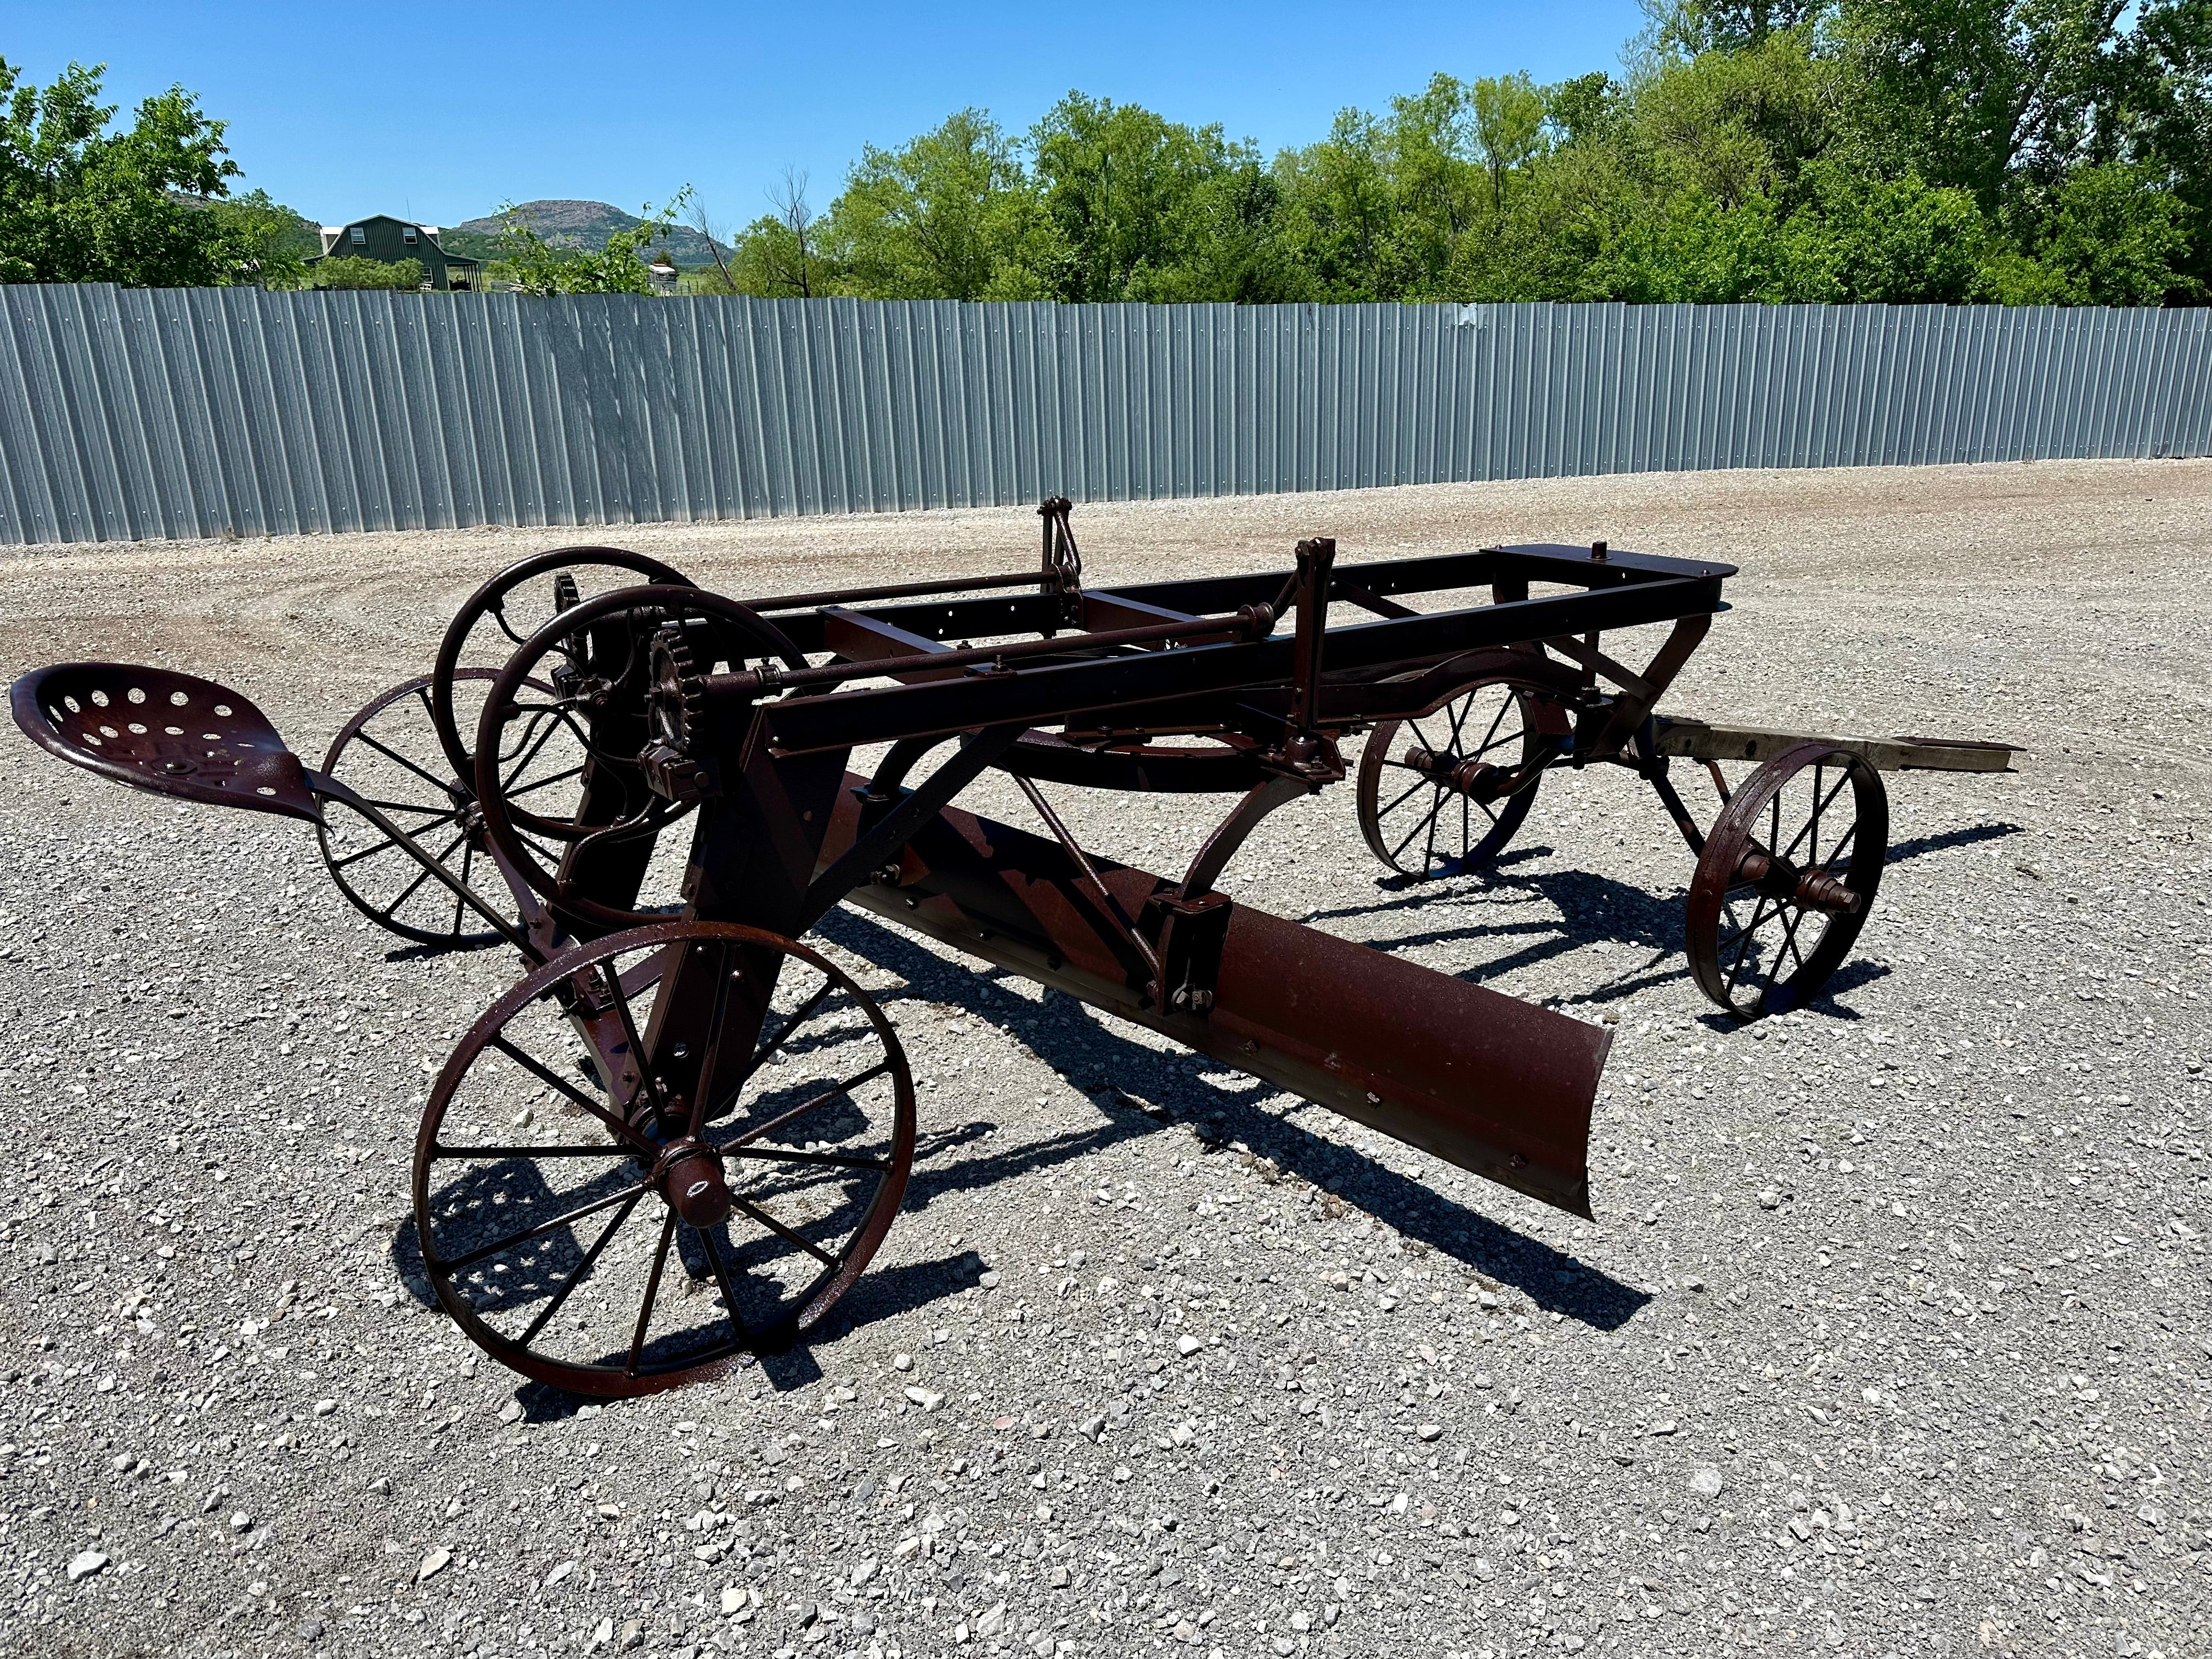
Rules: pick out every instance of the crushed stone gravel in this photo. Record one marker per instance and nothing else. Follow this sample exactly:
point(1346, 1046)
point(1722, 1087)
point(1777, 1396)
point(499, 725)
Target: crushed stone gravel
point(1893, 1336)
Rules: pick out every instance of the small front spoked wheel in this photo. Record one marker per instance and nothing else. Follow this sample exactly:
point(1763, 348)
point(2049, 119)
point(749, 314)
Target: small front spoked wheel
point(663, 1151)
point(1786, 879)
point(389, 755)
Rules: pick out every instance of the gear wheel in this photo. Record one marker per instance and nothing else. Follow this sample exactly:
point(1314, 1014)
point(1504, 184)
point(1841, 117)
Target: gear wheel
point(678, 699)
point(674, 762)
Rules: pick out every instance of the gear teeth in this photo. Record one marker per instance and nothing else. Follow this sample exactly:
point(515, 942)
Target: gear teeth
point(679, 689)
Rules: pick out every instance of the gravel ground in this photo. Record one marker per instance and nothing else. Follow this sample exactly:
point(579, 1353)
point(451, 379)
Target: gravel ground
point(1891, 1336)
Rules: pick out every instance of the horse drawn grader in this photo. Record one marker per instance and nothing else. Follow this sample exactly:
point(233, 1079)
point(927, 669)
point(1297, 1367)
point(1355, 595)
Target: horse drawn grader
point(653, 792)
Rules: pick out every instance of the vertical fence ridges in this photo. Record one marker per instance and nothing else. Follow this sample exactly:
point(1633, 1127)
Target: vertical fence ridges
point(129, 415)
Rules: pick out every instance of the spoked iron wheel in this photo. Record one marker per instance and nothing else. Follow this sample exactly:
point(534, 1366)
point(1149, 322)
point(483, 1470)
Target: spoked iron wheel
point(576, 699)
point(507, 611)
point(1442, 793)
point(1786, 879)
point(390, 755)
point(625, 1233)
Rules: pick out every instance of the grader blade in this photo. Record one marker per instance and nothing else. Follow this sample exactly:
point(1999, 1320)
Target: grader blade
point(1481, 1079)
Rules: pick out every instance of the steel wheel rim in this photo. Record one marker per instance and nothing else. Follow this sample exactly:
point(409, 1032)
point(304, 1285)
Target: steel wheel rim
point(466, 1294)
point(1730, 928)
point(489, 600)
point(444, 828)
point(1518, 730)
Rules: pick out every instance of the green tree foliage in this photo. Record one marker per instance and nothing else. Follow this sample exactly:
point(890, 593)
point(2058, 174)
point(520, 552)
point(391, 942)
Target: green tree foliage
point(404, 274)
point(949, 215)
point(1954, 151)
point(1831, 151)
point(82, 202)
point(535, 266)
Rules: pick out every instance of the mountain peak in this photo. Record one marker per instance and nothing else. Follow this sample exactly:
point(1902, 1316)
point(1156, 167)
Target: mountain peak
point(569, 223)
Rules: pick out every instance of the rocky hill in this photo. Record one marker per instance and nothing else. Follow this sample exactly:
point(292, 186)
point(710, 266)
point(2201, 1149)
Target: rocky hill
point(572, 224)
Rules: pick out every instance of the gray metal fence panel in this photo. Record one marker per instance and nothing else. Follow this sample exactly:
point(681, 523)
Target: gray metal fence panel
point(131, 414)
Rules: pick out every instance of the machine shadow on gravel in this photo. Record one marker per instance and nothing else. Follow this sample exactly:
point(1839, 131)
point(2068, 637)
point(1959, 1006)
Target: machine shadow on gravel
point(1089, 1054)
point(1595, 908)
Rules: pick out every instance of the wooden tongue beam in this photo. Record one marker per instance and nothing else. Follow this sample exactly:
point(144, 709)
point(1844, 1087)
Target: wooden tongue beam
point(1486, 1081)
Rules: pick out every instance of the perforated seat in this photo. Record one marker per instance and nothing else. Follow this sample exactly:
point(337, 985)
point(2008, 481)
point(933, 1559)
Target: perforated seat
point(169, 733)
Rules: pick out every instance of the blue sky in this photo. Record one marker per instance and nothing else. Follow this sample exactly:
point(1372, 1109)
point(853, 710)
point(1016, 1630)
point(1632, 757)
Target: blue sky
point(439, 112)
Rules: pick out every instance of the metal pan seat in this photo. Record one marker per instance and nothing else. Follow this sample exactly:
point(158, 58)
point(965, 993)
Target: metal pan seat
point(172, 733)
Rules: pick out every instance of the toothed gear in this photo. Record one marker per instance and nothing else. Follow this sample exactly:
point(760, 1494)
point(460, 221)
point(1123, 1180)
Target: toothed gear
point(678, 696)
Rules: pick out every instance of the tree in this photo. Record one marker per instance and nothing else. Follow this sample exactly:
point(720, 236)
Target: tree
point(1507, 113)
point(1134, 205)
point(405, 275)
point(942, 217)
point(81, 204)
point(1983, 94)
point(541, 267)
point(270, 242)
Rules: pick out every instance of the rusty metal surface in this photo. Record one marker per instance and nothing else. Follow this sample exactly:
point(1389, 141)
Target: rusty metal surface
point(657, 710)
point(154, 728)
point(1481, 1079)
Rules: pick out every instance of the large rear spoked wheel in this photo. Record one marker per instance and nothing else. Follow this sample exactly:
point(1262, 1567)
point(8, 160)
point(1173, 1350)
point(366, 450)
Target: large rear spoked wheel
point(1786, 879)
point(618, 1229)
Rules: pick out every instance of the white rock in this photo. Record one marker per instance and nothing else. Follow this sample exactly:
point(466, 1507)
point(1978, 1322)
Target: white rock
point(84, 1566)
point(433, 1563)
point(733, 1598)
point(928, 1399)
point(902, 1362)
point(1706, 1482)
point(991, 1622)
point(1187, 1344)
point(1430, 1431)
point(324, 1407)
point(557, 1575)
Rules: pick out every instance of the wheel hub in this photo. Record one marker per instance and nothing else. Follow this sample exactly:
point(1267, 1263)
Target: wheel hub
point(688, 1174)
point(1477, 780)
point(1778, 878)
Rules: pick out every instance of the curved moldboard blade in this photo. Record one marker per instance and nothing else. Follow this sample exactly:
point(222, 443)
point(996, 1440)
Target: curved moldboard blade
point(1483, 1080)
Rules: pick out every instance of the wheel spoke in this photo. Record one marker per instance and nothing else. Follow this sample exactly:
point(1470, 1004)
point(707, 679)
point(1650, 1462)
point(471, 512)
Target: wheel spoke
point(581, 1270)
point(560, 1085)
point(602, 1150)
point(546, 783)
point(421, 876)
point(729, 1291)
point(783, 1034)
point(652, 1294)
point(1419, 778)
point(1435, 807)
point(394, 755)
point(1743, 942)
point(543, 1227)
point(782, 1232)
point(506, 783)
point(386, 845)
point(708, 1060)
point(833, 1092)
point(468, 864)
point(655, 1096)
point(1820, 805)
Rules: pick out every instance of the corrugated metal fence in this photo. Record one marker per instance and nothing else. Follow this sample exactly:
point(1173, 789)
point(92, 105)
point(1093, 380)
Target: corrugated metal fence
point(129, 413)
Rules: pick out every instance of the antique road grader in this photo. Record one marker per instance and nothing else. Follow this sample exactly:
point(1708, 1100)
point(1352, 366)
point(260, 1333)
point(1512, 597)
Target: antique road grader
point(680, 1137)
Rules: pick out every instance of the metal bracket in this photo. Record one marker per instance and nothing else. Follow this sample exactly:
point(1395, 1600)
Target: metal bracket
point(1191, 932)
